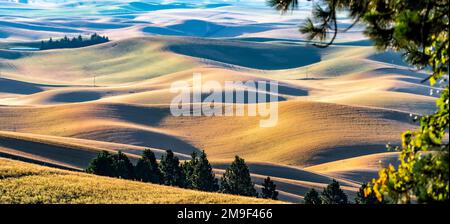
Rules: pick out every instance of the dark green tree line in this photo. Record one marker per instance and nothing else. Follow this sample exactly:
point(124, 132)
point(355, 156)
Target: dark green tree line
point(74, 42)
point(196, 173)
point(332, 194)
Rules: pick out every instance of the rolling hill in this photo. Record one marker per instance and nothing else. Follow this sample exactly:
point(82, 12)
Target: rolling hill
point(337, 109)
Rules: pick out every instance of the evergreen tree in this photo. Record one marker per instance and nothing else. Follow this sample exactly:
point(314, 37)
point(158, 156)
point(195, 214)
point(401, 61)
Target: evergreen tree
point(124, 168)
point(203, 177)
point(102, 165)
point(147, 168)
point(236, 179)
point(333, 194)
point(312, 197)
point(171, 170)
point(269, 189)
point(188, 169)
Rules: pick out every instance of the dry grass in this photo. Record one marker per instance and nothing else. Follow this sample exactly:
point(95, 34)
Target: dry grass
point(23, 183)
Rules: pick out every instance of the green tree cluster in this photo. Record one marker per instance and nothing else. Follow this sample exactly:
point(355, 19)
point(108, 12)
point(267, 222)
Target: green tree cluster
point(332, 194)
point(196, 173)
point(74, 42)
point(117, 165)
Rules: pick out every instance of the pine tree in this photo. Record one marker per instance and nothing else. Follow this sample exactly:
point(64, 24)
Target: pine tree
point(203, 177)
point(188, 169)
point(147, 169)
point(171, 170)
point(236, 179)
point(102, 165)
point(333, 194)
point(269, 189)
point(312, 197)
point(124, 168)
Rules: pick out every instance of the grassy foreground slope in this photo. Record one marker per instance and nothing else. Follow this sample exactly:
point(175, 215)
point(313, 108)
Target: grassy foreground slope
point(27, 183)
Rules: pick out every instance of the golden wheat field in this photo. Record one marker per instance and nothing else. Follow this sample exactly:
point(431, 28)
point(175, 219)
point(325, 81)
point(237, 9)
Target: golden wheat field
point(28, 183)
